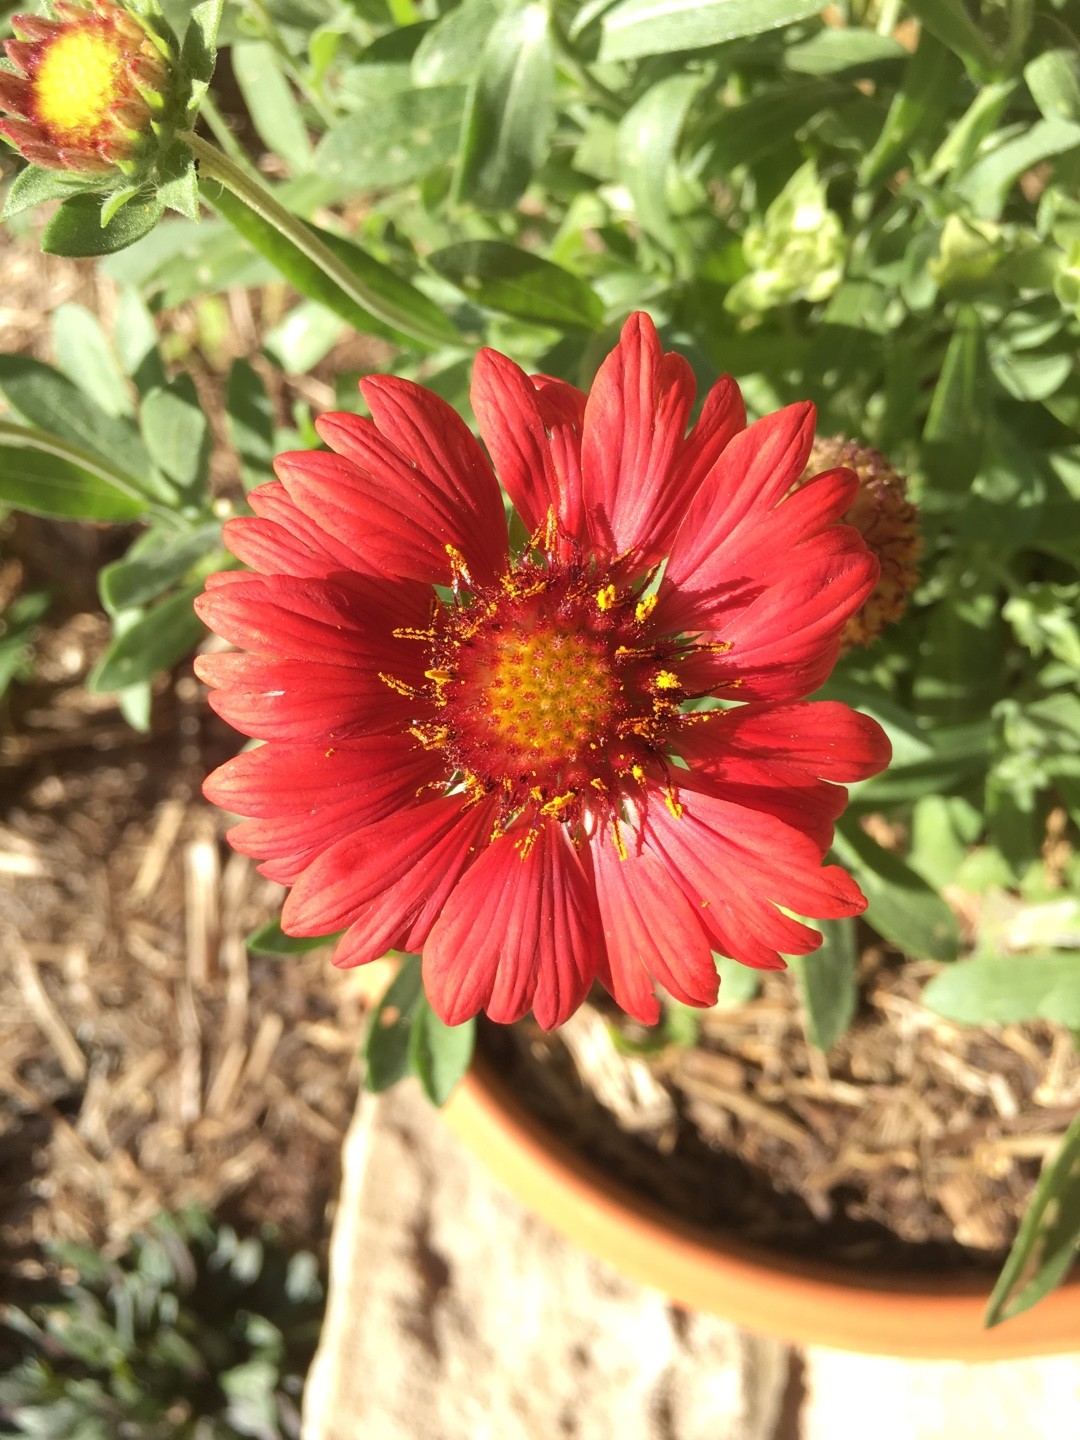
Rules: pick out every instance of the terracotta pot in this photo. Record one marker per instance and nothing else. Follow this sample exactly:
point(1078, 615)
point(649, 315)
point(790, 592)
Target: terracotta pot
point(774, 1294)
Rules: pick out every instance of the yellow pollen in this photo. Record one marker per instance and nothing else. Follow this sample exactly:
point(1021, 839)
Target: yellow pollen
point(638, 773)
point(558, 803)
point(441, 677)
point(606, 597)
point(644, 608)
point(458, 568)
point(665, 680)
point(77, 82)
point(673, 805)
point(398, 685)
point(616, 838)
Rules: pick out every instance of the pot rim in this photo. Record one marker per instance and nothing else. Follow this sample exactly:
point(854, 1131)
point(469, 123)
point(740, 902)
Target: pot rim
point(804, 1302)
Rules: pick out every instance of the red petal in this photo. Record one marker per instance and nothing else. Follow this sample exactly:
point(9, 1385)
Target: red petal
point(737, 865)
point(388, 876)
point(301, 702)
point(305, 797)
point(382, 511)
point(635, 429)
point(520, 930)
point(532, 429)
point(650, 930)
point(436, 442)
point(806, 740)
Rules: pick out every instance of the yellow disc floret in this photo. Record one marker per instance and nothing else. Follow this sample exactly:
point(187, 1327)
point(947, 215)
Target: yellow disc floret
point(77, 82)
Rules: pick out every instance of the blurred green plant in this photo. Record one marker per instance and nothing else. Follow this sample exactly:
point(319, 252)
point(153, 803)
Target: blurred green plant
point(191, 1334)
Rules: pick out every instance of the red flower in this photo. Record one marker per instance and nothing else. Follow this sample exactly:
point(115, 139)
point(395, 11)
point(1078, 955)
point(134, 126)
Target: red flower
point(506, 772)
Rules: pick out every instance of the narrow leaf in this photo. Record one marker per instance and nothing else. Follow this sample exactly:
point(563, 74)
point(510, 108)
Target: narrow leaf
point(250, 417)
point(40, 474)
point(516, 282)
point(900, 905)
point(827, 982)
point(155, 642)
point(176, 433)
point(1009, 989)
point(86, 357)
point(439, 1054)
point(635, 28)
point(394, 140)
point(387, 1048)
point(645, 147)
point(158, 560)
point(510, 111)
point(270, 101)
point(34, 185)
point(1045, 1246)
point(270, 939)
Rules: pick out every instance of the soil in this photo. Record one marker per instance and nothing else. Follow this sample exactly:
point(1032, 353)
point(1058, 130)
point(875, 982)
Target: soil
point(913, 1145)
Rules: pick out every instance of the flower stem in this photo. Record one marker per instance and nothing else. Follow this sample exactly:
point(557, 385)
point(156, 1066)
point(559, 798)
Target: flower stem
point(214, 165)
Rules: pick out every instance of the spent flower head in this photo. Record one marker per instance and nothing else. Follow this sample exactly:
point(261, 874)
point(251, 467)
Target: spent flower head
point(86, 88)
point(564, 764)
point(887, 521)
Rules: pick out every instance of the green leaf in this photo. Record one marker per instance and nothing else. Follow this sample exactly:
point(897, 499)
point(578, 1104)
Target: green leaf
point(447, 53)
point(34, 185)
point(198, 53)
point(270, 101)
point(176, 433)
point(18, 621)
point(516, 282)
point(85, 356)
point(137, 342)
point(744, 134)
point(40, 474)
point(249, 414)
point(270, 939)
point(76, 231)
point(439, 1054)
point(154, 642)
point(987, 184)
point(827, 982)
point(307, 277)
point(388, 1045)
point(645, 147)
point(51, 404)
point(394, 140)
point(833, 51)
point(178, 182)
point(917, 109)
point(901, 906)
point(1045, 1246)
point(510, 111)
point(1009, 989)
point(157, 560)
point(954, 27)
point(634, 28)
point(738, 983)
point(958, 411)
point(303, 337)
point(1054, 81)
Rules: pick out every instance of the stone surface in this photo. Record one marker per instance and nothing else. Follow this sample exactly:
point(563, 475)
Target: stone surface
point(849, 1397)
point(455, 1315)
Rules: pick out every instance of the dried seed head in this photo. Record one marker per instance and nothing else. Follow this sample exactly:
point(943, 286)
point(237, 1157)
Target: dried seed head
point(887, 521)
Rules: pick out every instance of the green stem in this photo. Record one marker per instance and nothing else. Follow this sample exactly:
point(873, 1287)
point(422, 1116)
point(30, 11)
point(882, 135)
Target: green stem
point(273, 38)
point(213, 165)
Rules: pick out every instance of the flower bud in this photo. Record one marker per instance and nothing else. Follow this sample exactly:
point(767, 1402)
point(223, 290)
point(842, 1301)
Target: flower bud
point(889, 524)
point(84, 88)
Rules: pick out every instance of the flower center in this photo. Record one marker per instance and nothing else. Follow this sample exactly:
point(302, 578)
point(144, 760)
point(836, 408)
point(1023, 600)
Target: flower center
point(552, 688)
point(76, 82)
